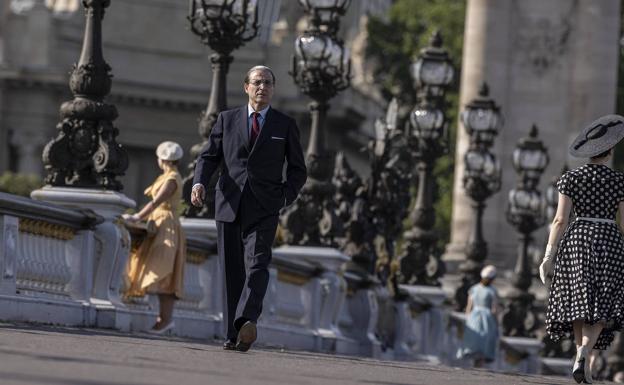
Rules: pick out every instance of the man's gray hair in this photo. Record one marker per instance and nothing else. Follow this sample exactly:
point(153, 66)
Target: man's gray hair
point(256, 68)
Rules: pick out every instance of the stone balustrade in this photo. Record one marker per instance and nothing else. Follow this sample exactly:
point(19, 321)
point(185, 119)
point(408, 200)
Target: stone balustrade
point(64, 264)
point(46, 259)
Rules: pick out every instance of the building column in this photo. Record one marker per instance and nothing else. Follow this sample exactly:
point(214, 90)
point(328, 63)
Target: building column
point(485, 59)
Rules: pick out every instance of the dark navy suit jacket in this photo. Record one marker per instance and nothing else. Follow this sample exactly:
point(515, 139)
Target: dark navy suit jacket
point(261, 167)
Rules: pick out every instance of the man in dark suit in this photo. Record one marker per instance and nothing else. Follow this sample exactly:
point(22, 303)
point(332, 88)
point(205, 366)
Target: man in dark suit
point(253, 142)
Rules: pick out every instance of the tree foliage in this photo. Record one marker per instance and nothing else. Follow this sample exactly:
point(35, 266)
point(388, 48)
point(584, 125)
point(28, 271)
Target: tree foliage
point(394, 43)
point(19, 184)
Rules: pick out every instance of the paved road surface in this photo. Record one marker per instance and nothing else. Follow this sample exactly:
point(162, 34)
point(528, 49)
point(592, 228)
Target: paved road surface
point(35, 354)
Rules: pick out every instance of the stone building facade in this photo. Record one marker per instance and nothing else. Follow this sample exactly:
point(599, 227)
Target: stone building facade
point(162, 77)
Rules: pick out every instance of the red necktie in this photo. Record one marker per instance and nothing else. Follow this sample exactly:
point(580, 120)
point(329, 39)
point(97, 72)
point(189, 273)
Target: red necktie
point(255, 128)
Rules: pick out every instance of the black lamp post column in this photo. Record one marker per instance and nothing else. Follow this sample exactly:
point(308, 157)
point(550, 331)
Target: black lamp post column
point(85, 152)
point(223, 25)
point(525, 211)
point(321, 68)
point(433, 73)
point(482, 178)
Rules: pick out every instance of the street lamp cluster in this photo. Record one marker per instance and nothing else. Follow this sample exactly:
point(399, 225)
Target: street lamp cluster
point(428, 140)
point(223, 25)
point(525, 212)
point(321, 68)
point(482, 178)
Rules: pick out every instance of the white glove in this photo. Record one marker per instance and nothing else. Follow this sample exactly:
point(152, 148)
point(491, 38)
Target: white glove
point(547, 263)
point(130, 218)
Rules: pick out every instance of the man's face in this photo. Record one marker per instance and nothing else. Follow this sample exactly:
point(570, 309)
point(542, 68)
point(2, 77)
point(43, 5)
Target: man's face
point(260, 89)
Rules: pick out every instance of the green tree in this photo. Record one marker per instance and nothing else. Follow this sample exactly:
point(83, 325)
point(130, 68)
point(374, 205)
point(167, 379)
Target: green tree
point(394, 43)
point(19, 184)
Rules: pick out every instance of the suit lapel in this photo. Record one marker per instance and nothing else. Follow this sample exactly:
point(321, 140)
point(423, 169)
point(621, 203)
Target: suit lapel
point(241, 126)
point(265, 131)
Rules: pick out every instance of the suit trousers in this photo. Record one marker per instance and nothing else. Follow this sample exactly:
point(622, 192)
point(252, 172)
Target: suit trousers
point(244, 248)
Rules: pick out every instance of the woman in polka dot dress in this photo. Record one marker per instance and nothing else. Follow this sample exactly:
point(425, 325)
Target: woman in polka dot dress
point(587, 289)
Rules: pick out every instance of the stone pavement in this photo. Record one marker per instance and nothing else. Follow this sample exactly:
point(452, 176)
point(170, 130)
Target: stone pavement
point(36, 354)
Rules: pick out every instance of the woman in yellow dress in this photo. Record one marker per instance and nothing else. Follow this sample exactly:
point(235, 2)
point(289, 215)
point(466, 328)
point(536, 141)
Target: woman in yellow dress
point(157, 266)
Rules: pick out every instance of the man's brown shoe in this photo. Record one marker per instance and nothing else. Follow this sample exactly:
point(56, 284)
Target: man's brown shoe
point(246, 336)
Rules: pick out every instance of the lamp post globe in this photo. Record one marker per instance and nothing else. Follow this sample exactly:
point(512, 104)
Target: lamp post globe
point(321, 66)
point(428, 123)
point(433, 71)
point(530, 157)
point(482, 118)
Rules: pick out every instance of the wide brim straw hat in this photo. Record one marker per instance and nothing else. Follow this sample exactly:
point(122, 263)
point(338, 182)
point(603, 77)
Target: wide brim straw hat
point(169, 151)
point(488, 272)
point(599, 136)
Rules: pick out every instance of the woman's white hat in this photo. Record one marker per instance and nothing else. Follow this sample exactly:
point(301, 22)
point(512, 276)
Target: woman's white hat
point(169, 151)
point(488, 272)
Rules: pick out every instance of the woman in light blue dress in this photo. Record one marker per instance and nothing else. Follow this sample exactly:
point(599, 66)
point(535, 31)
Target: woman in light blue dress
point(481, 330)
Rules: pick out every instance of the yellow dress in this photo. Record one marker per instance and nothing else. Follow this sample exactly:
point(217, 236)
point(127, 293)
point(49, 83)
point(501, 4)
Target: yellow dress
point(157, 266)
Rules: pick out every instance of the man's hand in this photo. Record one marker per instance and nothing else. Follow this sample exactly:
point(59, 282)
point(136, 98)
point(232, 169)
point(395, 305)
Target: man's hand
point(198, 194)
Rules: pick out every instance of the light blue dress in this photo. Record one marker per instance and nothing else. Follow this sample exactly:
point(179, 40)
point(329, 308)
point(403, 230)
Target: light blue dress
point(481, 331)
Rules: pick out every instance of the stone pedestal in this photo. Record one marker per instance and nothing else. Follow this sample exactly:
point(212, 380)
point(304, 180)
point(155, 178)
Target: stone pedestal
point(359, 319)
point(200, 313)
point(520, 355)
point(112, 246)
point(8, 253)
point(420, 323)
point(332, 290)
point(304, 299)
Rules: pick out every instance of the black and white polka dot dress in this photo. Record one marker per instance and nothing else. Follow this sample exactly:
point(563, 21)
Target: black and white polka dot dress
point(588, 280)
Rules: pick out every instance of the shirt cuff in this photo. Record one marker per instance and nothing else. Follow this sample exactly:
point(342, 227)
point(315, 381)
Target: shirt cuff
point(198, 184)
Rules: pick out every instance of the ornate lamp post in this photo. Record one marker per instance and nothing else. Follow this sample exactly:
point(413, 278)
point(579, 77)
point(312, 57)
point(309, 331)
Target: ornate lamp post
point(321, 68)
point(482, 178)
point(525, 211)
point(223, 25)
point(85, 152)
point(433, 73)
